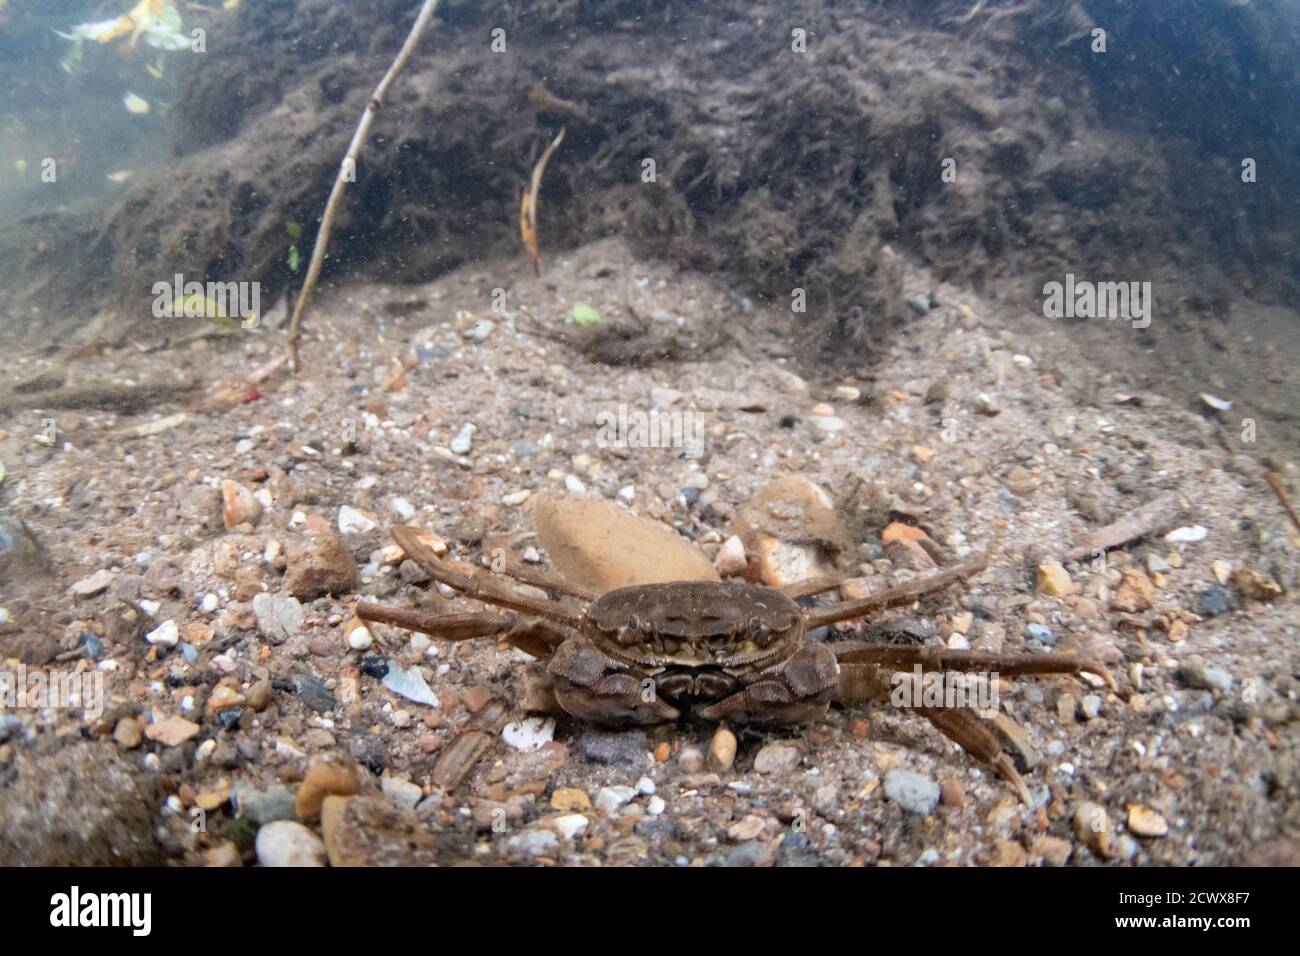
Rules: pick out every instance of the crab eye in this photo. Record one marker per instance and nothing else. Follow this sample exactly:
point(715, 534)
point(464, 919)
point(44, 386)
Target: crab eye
point(627, 635)
point(759, 632)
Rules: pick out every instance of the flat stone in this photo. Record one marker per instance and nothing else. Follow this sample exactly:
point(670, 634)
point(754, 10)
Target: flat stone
point(777, 757)
point(171, 731)
point(286, 843)
point(914, 792)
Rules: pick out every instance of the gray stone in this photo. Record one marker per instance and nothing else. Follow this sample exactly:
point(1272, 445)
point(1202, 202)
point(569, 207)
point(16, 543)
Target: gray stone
point(914, 792)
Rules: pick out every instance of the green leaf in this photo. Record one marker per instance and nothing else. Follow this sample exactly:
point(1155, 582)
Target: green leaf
point(293, 258)
point(585, 315)
point(293, 229)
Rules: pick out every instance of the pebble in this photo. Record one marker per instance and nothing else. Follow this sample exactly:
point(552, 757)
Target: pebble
point(264, 806)
point(323, 565)
point(1145, 822)
point(516, 498)
point(1187, 535)
point(847, 393)
point(96, 583)
point(127, 734)
point(1053, 850)
point(1092, 827)
point(260, 694)
point(1090, 706)
point(1041, 633)
point(914, 792)
point(722, 750)
point(570, 825)
point(1197, 674)
point(166, 634)
point(533, 842)
point(655, 806)
point(464, 440)
point(610, 799)
point(238, 505)
point(359, 638)
point(777, 758)
point(352, 521)
point(746, 829)
point(691, 760)
point(278, 617)
point(1135, 592)
point(409, 683)
point(314, 693)
point(615, 748)
point(645, 786)
point(480, 330)
point(324, 780)
point(402, 508)
point(570, 799)
point(1213, 601)
point(286, 843)
point(529, 734)
point(404, 793)
point(574, 485)
point(730, 560)
point(1054, 580)
point(171, 731)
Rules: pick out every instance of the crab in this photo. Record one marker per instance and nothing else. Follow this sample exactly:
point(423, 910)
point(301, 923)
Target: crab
point(721, 651)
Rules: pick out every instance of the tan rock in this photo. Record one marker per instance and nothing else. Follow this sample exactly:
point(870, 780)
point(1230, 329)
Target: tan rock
point(223, 698)
point(908, 554)
point(1135, 592)
point(792, 509)
point(322, 780)
point(322, 564)
point(602, 546)
point(730, 560)
point(1054, 580)
point(1255, 586)
point(1092, 826)
point(238, 504)
point(722, 750)
point(1009, 853)
point(1053, 850)
point(127, 733)
point(1145, 822)
point(171, 731)
point(373, 831)
point(570, 799)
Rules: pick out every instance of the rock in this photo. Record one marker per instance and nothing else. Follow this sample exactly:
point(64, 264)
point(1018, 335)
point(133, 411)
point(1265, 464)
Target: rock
point(223, 698)
point(1054, 580)
point(322, 780)
point(570, 825)
point(914, 792)
point(287, 843)
point(314, 693)
point(722, 750)
point(1195, 673)
point(602, 546)
point(260, 695)
point(1090, 706)
point(320, 565)
point(533, 843)
point(278, 617)
point(352, 521)
point(792, 525)
point(618, 748)
point(166, 634)
point(374, 831)
point(404, 793)
point(1255, 586)
point(1186, 535)
point(1009, 853)
point(1135, 592)
point(276, 802)
point(691, 760)
point(359, 638)
point(409, 683)
point(238, 505)
point(570, 799)
point(464, 440)
point(1145, 822)
point(171, 731)
point(1177, 631)
point(82, 804)
point(746, 829)
point(1053, 850)
point(1039, 632)
point(479, 331)
point(777, 757)
point(1213, 601)
point(529, 734)
point(1093, 828)
point(96, 583)
point(127, 734)
point(611, 799)
point(730, 560)
point(655, 806)
point(909, 554)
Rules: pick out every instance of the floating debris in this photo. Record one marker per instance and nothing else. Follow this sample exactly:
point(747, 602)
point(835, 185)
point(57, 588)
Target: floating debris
point(585, 315)
point(1218, 404)
point(528, 206)
point(136, 104)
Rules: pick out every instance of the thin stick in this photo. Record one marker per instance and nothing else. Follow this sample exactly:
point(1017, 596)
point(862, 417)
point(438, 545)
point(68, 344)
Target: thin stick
point(1281, 497)
point(350, 163)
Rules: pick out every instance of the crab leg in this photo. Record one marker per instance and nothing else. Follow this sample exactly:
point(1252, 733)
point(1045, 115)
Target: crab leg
point(451, 627)
point(479, 587)
point(899, 596)
point(851, 653)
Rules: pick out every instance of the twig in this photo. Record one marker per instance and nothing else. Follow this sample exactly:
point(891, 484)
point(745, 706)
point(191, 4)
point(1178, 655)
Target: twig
point(348, 164)
point(1281, 496)
point(528, 206)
